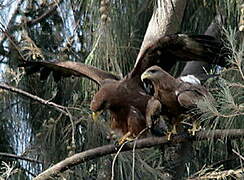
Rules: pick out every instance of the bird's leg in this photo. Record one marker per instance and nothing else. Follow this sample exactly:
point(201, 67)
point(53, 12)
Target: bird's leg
point(173, 131)
point(96, 114)
point(124, 138)
point(149, 121)
point(195, 127)
point(152, 112)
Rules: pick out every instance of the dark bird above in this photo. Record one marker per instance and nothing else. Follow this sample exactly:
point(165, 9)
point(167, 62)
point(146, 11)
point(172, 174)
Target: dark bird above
point(176, 95)
point(125, 97)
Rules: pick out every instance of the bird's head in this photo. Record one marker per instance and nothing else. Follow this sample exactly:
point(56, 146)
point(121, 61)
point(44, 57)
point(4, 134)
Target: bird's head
point(149, 77)
point(99, 104)
point(103, 99)
point(154, 77)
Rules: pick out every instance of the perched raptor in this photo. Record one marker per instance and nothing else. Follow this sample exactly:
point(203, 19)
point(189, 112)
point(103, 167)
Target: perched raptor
point(172, 97)
point(125, 97)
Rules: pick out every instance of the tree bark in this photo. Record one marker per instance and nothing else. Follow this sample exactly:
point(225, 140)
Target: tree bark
point(166, 19)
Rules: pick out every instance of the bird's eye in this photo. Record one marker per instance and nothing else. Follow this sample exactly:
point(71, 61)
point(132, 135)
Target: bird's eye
point(153, 71)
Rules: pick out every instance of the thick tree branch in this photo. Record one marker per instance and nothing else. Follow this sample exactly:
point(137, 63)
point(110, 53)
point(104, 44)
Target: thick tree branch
point(141, 143)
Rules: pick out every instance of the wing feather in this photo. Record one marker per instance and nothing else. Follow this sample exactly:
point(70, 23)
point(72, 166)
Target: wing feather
point(191, 94)
point(181, 47)
point(67, 69)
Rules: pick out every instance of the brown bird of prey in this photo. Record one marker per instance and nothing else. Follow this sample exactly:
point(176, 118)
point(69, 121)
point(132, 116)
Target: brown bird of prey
point(172, 96)
point(125, 98)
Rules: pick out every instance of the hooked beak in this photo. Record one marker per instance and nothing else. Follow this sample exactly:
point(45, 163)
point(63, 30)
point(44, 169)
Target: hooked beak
point(145, 75)
point(96, 114)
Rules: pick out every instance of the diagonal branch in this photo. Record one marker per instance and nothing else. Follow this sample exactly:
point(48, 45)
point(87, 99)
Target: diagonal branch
point(141, 143)
point(47, 13)
point(12, 28)
point(59, 108)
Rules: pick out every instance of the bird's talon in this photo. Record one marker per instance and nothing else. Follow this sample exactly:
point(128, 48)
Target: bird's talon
point(173, 131)
point(121, 141)
point(116, 144)
point(195, 127)
point(169, 136)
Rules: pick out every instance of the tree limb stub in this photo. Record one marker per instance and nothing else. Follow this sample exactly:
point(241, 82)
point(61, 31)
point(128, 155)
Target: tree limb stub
point(141, 143)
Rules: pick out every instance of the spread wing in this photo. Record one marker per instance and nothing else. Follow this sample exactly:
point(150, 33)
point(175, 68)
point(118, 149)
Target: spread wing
point(67, 69)
point(180, 47)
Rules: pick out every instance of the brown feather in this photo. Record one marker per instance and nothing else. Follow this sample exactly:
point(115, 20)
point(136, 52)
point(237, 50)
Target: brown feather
point(125, 98)
point(175, 95)
point(167, 50)
point(67, 69)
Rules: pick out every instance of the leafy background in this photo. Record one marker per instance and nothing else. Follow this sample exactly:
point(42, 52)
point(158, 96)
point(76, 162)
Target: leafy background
point(108, 35)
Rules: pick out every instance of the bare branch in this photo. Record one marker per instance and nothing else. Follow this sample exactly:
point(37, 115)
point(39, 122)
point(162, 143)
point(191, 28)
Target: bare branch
point(141, 143)
point(19, 157)
point(47, 13)
point(59, 108)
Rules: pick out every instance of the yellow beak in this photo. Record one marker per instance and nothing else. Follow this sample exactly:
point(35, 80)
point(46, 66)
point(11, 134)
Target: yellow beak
point(145, 75)
point(96, 114)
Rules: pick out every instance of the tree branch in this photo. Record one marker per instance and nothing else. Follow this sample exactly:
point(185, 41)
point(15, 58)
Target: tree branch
point(141, 143)
point(47, 13)
point(12, 28)
point(59, 108)
point(19, 157)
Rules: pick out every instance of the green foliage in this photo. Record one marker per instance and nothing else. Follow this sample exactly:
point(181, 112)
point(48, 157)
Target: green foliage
point(108, 36)
point(227, 111)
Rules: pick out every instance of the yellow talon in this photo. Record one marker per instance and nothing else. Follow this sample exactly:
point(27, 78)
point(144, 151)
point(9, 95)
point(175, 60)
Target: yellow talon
point(96, 114)
point(173, 131)
point(195, 127)
point(125, 138)
point(169, 135)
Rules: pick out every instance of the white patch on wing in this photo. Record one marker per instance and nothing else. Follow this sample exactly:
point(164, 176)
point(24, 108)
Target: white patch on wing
point(176, 93)
point(190, 79)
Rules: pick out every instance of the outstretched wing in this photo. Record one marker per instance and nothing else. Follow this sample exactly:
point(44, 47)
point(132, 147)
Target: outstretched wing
point(67, 69)
point(181, 47)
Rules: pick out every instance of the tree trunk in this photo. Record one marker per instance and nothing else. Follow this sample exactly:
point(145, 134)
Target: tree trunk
point(166, 19)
